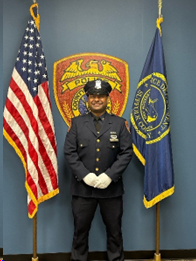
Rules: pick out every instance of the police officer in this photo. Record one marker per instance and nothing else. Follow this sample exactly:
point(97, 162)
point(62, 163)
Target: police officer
point(98, 148)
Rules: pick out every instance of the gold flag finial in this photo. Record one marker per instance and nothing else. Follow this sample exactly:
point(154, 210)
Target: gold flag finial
point(159, 21)
point(36, 18)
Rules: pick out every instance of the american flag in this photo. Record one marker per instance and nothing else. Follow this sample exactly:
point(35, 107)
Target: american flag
point(27, 120)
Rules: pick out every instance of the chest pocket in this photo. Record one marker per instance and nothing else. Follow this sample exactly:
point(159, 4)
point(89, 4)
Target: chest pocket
point(113, 145)
point(83, 143)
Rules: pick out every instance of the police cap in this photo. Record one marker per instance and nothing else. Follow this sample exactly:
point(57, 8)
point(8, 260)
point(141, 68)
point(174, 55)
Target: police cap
point(98, 87)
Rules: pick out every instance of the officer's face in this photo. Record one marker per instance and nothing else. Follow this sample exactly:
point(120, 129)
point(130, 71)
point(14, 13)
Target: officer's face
point(97, 103)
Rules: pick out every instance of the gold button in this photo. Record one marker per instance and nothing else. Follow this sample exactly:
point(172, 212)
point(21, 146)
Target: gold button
point(98, 140)
point(113, 146)
point(97, 159)
point(97, 169)
point(81, 145)
point(98, 149)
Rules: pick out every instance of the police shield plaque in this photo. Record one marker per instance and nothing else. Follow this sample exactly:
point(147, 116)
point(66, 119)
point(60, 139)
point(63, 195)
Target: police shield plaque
point(71, 73)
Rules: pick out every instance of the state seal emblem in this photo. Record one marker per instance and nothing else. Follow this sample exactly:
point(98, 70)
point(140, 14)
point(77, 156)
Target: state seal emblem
point(71, 73)
point(150, 112)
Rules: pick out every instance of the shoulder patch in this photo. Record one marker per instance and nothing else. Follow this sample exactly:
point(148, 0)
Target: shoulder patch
point(127, 126)
point(69, 126)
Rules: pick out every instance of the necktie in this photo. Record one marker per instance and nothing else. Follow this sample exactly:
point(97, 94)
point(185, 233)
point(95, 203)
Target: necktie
point(97, 124)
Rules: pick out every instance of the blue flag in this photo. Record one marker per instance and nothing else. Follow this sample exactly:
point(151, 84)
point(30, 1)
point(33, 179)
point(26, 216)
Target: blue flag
point(150, 125)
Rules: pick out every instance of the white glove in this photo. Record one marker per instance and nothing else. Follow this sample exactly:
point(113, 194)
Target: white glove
point(91, 179)
point(103, 181)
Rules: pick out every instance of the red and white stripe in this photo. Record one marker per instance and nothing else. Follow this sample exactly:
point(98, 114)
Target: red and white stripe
point(29, 127)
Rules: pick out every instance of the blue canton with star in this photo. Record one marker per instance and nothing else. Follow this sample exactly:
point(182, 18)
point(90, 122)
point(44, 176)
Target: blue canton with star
point(30, 62)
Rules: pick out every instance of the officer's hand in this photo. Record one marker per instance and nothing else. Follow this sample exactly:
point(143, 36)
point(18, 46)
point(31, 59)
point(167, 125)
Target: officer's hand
point(103, 181)
point(90, 179)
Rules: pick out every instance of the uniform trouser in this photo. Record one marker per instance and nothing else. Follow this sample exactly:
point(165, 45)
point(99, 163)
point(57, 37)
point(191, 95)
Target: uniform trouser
point(111, 211)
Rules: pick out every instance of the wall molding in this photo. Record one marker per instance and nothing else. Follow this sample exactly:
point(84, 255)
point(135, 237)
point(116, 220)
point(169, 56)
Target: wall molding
point(166, 254)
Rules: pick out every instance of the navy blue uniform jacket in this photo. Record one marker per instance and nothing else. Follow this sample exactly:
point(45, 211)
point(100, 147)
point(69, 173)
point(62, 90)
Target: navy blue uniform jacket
point(110, 152)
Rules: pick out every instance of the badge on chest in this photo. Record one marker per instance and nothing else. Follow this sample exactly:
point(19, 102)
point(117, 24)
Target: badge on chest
point(113, 137)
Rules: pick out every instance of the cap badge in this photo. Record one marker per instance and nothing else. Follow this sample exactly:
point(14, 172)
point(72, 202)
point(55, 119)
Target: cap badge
point(98, 84)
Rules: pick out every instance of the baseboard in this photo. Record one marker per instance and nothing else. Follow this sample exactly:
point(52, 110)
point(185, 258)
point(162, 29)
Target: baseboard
point(165, 254)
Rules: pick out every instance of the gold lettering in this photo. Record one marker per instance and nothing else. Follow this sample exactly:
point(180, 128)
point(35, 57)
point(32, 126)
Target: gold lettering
point(164, 88)
point(158, 82)
point(149, 134)
point(142, 126)
point(165, 122)
point(77, 82)
point(139, 93)
point(137, 117)
point(155, 81)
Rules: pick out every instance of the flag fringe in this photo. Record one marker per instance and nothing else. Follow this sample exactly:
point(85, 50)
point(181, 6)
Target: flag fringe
point(29, 191)
point(158, 198)
point(138, 154)
point(40, 200)
point(13, 144)
point(33, 214)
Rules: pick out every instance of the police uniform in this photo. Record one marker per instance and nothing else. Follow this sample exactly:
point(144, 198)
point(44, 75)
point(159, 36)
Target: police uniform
point(88, 151)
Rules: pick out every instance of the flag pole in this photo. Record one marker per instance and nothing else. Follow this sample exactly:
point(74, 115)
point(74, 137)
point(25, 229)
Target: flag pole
point(157, 255)
point(160, 8)
point(35, 258)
